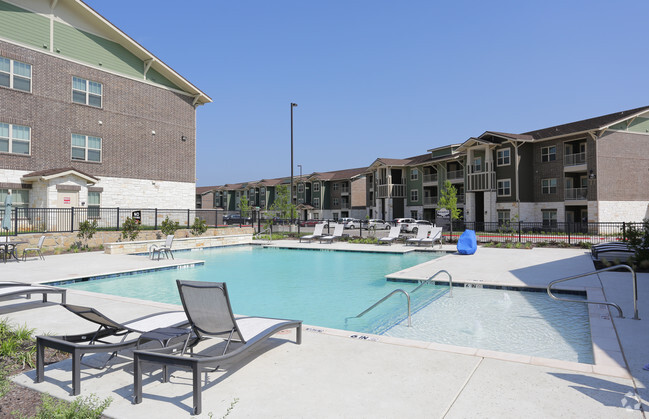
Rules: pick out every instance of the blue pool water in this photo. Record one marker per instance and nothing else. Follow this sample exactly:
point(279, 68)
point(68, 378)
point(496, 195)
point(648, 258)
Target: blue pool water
point(329, 288)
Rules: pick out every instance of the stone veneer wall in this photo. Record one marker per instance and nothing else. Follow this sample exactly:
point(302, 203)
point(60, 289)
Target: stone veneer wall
point(619, 211)
point(65, 240)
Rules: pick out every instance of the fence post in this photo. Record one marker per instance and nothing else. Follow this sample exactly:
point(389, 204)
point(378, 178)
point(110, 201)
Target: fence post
point(117, 224)
point(188, 218)
point(71, 219)
point(15, 221)
point(216, 217)
point(623, 231)
point(519, 231)
point(568, 228)
point(155, 219)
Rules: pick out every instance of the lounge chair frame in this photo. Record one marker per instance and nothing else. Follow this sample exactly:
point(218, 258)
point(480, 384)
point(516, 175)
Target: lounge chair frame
point(91, 342)
point(37, 249)
point(10, 289)
point(165, 248)
point(197, 364)
point(317, 233)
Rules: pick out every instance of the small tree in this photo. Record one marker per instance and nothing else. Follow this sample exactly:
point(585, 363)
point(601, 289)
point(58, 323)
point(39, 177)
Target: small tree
point(638, 240)
point(87, 230)
point(282, 204)
point(244, 206)
point(199, 227)
point(168, 226)
point(130, 229)
point(448, 200)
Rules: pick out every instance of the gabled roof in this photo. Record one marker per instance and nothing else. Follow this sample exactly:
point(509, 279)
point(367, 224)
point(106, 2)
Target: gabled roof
point(202, 190)
point(338, 174)
point(591, 124)
point(54, 173)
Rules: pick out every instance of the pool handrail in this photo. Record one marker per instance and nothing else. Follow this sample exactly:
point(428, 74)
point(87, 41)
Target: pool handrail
point(610, 268)
point(385, 298)
point(450, 282)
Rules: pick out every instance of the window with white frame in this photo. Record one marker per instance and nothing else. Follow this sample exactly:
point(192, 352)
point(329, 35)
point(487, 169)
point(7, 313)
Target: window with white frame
point(86, 92)
point(504, 187)
point(316, 187)
point(549, 218)
point(335, 202)
point(19, 197)
point(15, 138)
point(414, 174)
point(300, 188)
point(414, 214)
point(94, 202)
point(477, 164)
point(503, 157)
point(548, 186)
point(414, 195)
point(316, 202)
point(548, 153)
point(335, 187)
point(15, 75)
point(86, 148)
point(503, 217)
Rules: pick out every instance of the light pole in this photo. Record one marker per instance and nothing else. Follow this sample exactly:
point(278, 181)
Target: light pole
point(293, 105)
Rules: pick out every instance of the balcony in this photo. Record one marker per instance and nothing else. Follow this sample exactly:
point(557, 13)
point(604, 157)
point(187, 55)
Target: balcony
point(392, 191)
point(430, 200)
point(455, 175)
point(576, 194)
point(460, 198)
point(430, 178)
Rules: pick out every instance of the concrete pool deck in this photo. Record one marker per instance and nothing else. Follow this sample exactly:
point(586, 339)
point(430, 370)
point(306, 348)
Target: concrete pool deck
point(343, 374)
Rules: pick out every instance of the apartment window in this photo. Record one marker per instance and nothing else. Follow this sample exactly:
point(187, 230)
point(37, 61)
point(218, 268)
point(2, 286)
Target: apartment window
point(316, 202)
point(87, 148)
point(335, 187)
point(94, 202)
point(477, 164)
point(316, 216)
point(335, 203)
point(414, 195)
point(504, 187)
point(316, 187)
point(19, 197)
point(15, 75)
point(300, 188)
point(503, 157)
point(548, 186)
point(503, 217)
point(549, 218)
point(414, 174)
point(15, 138)
point(414, 214)
point(86, 92)
point(548, 153)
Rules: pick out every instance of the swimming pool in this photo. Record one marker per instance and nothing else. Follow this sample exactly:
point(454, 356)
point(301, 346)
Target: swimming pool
point(329, 288)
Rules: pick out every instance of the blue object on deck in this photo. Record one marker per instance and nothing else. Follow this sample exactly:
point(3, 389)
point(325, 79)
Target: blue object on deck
point(467, 244)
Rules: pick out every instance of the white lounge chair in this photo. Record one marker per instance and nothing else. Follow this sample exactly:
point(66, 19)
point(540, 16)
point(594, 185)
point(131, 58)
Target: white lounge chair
point(10, 290)
point(392, 235)
point(35, 249)
point(317, 233)
point(434, 236)
point(422, 233)
point(338, 232)
point(166, 248)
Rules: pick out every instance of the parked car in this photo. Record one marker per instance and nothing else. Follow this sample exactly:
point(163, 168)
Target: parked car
point(419, 223)
point(350, 222)
point(236, 219)
point(309, 223)
point(407, 224)
point(374, 224)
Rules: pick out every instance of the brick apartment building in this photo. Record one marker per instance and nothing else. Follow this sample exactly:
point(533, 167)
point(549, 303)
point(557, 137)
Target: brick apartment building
point(88, 117)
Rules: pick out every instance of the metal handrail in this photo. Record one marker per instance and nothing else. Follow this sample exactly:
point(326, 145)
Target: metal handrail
point(450, 282)
point(385, 298)
point(610, 268)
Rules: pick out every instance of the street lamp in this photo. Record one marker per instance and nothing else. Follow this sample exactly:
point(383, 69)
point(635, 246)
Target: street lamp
point(293, 105)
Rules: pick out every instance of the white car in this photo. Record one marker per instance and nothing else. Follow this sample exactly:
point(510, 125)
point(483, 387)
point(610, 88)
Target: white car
point(376, 225)
point(350, 222)
point(407, 224)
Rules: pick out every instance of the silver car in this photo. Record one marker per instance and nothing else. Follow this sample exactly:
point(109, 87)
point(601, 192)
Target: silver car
point(374, 224)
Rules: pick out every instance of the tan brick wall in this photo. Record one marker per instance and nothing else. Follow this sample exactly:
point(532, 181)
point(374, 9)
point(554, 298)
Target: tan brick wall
point(623, 167)
point(131, 111)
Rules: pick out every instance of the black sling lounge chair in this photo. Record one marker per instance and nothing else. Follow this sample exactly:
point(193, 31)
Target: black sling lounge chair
point(10, 290)
point(169, 323)
point(209, 312)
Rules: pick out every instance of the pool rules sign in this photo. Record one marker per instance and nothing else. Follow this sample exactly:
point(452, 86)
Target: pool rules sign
point(443, 218)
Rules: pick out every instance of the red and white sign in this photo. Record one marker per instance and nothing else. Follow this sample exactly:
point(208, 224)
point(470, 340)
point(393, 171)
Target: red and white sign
point(66, 200)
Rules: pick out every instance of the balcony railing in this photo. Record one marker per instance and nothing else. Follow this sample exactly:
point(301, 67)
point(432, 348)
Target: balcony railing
point(460, 198)
point(455, 174)
point(432, 177)
point(430, 200)
point(576, 194)
point(392, 191)
point(574, 159)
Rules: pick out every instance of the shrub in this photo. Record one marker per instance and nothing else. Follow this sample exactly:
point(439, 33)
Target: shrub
point(199, 227)
point(130, 229)
point(168, 226)
point(89, 407)
point(86, 231)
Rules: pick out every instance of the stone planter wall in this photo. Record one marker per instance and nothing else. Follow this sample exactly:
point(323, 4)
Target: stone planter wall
point(178, 243)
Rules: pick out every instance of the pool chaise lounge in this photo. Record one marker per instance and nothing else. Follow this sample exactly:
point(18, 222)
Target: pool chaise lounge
point(95, 341)
point(208, 309)
point(10, 290)
point(317, 233)
point(392, 235)
point(422, 233)
point(338, 232)
point(434, 236)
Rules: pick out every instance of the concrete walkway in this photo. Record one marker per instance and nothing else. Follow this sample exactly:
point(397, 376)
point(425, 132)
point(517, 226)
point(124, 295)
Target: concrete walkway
point(343, 374)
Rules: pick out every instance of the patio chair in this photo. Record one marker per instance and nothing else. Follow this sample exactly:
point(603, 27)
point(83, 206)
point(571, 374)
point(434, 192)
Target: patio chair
point(392, 235)
point(166, 248)
point(35, 249)
point(209, 311)
point(422, 233)
point(10, 290)
point(317, 233)
point(434, 236)
point(160, 327)
point(338, 232)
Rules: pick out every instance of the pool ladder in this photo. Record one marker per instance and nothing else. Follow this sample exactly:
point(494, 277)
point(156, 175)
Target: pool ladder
point(611, 268)
point(399, 290)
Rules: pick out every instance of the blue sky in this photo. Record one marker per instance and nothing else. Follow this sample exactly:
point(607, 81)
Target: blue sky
point(377, 78)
